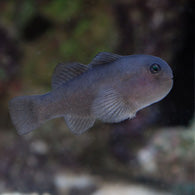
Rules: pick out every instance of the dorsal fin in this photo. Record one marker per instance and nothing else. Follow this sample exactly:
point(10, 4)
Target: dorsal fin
point(104, 58)
point(65, 72)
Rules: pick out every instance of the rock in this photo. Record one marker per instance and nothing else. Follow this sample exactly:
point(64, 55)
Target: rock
point(75, 184)
point(39, 147)
point(18, 193)
point(146, 159)
point(116, 189)
point(169, 155)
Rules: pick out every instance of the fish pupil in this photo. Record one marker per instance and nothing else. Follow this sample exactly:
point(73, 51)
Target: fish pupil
point(155, 68)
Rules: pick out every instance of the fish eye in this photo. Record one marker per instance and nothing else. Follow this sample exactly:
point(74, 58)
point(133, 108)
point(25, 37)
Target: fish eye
point(155, 68)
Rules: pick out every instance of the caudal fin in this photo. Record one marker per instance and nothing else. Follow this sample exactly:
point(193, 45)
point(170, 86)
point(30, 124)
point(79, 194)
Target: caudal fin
point(24, 114)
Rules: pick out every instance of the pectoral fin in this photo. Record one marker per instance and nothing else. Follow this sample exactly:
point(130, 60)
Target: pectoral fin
point(78, 125)
point(109, 106)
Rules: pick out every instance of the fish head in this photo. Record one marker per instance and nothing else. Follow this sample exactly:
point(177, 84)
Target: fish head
point(152, 79)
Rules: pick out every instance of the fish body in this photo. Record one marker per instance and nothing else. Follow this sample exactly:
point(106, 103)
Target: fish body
point(111, 88)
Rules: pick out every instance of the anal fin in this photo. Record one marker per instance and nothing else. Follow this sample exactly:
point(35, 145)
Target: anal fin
point(78, 125)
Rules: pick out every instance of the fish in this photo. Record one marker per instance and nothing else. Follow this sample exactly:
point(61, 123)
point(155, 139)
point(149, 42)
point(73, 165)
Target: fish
point(111, 89)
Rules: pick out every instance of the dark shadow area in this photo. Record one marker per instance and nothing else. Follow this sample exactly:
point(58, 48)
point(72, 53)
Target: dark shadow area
point(36, 27)
point(179, 108)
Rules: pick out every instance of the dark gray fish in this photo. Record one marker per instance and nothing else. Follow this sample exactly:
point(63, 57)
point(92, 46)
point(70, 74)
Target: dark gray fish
point(111, 88)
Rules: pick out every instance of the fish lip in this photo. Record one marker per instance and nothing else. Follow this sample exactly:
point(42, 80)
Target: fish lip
point(171, 77)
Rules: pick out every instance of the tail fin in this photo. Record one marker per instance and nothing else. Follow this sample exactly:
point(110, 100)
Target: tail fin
point(24, 113)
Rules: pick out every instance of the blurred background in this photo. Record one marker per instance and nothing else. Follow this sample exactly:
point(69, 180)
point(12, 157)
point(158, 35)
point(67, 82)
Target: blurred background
point(150, 154)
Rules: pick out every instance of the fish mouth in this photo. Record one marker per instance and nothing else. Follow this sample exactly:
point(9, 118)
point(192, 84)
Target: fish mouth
point(169, 82)
point(171, 78)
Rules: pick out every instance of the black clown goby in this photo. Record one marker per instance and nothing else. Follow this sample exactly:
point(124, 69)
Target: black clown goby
point(111, 88)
